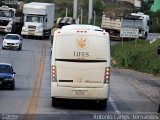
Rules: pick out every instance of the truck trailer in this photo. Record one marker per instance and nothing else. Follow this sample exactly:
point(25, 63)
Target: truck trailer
point(38, 19)
point(113, 25)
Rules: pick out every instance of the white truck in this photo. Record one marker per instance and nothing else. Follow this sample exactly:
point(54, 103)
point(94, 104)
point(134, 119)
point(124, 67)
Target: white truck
point(113, 24)
point(144, 30)
point(11, 18)
point(38, 19)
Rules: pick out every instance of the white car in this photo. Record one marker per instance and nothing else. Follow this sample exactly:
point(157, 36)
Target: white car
point(12, 41)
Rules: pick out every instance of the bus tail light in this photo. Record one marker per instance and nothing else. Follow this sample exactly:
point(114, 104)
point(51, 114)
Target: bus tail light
point(107, 75)
point(54, 74)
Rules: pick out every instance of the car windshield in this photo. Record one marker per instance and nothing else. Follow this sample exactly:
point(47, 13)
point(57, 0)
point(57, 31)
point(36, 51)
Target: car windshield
point(13, 37)
point(5, 69)
point(38, 19)
point(5, 13)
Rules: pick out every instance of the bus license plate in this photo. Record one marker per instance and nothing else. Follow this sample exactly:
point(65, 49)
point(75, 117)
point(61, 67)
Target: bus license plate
point(79, 92)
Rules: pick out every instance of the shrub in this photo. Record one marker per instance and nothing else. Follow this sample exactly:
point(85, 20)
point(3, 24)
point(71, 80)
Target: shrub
point(141, 56)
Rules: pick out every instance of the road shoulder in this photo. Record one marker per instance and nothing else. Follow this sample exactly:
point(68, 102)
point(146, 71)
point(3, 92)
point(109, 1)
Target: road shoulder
point(147, 84)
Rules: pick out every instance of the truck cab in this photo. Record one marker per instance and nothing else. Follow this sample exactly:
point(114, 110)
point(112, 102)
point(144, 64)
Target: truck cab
point(62, 21)
point(34, 24)
point(143, 32)
point(7, 18)
point(38, 19)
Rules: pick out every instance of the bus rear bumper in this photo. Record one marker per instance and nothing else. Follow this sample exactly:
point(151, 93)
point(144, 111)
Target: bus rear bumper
point(80, 93)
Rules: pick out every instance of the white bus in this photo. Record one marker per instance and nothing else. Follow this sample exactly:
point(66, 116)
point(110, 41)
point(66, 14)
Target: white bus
point(80, 64)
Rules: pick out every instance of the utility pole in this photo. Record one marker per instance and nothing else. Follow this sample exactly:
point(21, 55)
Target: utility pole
point(66, 12)
point(94, 12)
point(75, 9)
point(81, 16)
point(90, 11)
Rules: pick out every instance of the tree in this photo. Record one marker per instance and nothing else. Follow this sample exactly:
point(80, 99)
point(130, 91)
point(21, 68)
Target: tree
point(98, 7)
point(145, 6)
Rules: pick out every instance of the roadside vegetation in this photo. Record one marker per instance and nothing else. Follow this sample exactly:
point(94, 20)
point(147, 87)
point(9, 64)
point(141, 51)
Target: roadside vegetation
point(138, 55)
point(155, 18)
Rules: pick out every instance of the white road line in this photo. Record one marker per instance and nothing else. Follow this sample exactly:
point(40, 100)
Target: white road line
point(114, 106)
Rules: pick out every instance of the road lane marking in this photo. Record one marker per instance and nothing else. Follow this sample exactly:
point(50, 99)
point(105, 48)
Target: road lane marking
point(114, 106)
point(34, 99)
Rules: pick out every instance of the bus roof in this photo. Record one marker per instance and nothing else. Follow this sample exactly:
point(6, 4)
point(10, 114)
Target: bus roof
point(81, 27)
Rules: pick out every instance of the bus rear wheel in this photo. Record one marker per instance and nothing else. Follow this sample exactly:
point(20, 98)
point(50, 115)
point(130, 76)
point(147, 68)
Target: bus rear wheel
point(103, 104)
point(55, 102)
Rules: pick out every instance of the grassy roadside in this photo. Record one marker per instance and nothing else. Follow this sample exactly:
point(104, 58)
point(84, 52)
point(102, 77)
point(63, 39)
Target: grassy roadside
point(138, 55)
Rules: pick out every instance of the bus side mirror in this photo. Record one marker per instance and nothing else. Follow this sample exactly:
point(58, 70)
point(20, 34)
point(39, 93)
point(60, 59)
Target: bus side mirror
point(158, 50)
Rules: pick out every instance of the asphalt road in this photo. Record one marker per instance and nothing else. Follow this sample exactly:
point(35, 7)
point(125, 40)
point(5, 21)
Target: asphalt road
point(152, 36)
point(32, 93)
